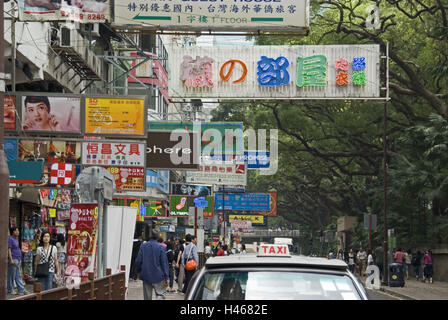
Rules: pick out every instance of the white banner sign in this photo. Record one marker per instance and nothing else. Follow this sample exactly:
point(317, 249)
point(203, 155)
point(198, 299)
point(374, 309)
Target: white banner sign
point(227, 174)
point(241, 224)
point(275, 72)
point(113, 154)
point(210, 15)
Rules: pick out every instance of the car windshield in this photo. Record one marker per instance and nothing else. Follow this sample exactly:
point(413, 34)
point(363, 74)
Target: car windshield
point(275, 285)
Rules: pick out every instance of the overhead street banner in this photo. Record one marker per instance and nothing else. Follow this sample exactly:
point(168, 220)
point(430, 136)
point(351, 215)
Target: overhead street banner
point(243, 201)
point(76, 10)
point(233, 174)
point(275, 72)
point(213, 15)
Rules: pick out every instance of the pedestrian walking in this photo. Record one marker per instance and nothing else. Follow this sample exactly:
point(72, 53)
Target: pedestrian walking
point(171, 259)
point(14, 263)
point(362, 261)
point(379, 259)
point(428, 269)
point(179, 266)
point(220, 251)
point(399, 256)
point(135, 249)
point(370, 260)
point(152, 266)
point(407, 262)
point(47, 253)
point(190, 252)
point(243, 249)
point(416, 262)
point(340, 255)
point(351, 261)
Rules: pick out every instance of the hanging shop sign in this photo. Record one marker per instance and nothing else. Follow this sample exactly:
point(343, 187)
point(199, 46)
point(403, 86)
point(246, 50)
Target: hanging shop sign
point(216, 137)
point(113, 154)
point(62, 174)
point(128, 178)
point(191, 189)
point(115, 116)
point(78, 11)
point(180, 204)
point(172, 150)
point(275, 72)
point(82, 238)
point(223, 15)
point(50, 151)
point(159, 179)
point(9, 116)
point(254, 219)
point(227, 174)
point(51, 114)
point(243, 201)
point(25, 171)
point(155, 209)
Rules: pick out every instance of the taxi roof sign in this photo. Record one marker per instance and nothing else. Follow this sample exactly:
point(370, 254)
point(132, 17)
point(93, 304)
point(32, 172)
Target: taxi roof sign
point(273, 250)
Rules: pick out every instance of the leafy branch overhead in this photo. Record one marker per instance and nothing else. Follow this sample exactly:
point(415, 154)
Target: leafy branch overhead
point(331, 153)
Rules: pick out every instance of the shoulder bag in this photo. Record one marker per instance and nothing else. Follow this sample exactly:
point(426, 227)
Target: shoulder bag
point(191, 263)
point(43, 269)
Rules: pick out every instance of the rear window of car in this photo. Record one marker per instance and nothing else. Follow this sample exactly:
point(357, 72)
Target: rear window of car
point(275, 285)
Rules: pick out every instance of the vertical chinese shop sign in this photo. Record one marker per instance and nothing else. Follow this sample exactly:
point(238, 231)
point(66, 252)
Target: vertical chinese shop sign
point(81, 242)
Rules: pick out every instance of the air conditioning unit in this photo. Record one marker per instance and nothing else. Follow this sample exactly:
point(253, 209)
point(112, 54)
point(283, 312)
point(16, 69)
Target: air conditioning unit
point(65, 37)
point(145, 69)
point(90, 29)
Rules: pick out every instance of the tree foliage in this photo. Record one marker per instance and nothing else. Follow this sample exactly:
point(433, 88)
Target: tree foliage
point(331, 153)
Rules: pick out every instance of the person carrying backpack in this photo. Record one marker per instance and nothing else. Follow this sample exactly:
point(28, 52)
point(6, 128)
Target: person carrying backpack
point(170, 257)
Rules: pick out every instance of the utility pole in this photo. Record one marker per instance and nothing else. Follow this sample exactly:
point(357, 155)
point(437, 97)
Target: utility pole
point(13, 47)
point(4, 173)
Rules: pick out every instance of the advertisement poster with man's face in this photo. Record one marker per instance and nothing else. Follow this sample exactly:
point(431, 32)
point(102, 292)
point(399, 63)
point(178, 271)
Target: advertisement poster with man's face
point(9, 112)
point(85, 11)
point(54, 114)
point(81, 242)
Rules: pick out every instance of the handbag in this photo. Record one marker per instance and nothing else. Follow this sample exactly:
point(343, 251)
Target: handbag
point(43, 269)
point(191, 264)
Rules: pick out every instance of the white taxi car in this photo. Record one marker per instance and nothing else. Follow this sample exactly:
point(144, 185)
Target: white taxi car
point(273, 274)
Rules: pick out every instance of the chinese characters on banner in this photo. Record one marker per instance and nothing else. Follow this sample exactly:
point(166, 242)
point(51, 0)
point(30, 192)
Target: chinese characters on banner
point(115, 116)
point(81, 242)
point(283, 72)
point(273, 72)
point(113, 154)
point(127, 178)
point(197, 73)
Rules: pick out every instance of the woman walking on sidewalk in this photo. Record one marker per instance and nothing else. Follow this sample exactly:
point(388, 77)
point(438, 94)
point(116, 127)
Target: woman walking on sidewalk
point(427, 270)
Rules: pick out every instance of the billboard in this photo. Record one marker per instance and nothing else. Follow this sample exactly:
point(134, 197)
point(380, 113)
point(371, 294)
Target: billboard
point(115, 116)
point(256, 220)
point(9, 113)
point(191, 189)
point(243, 201)
point(171, 150)
point(84, 11)
point(275, 72)
point(128, 178)
point(223, 15)
point(229, 134)
point(113, 154)
point(50, 151)
point(51, 114)
point(179, 205)
point(227, 174)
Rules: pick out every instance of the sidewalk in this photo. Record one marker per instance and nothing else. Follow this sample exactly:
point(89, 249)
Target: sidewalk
point(417, 290)
point(135, 292)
